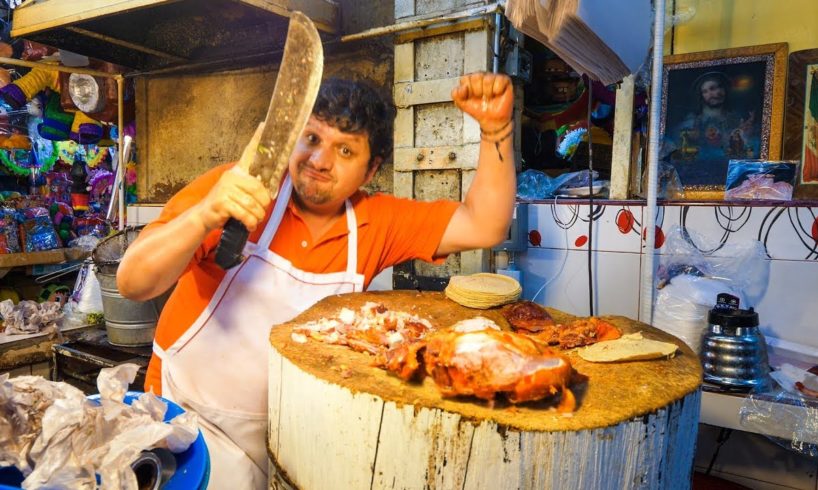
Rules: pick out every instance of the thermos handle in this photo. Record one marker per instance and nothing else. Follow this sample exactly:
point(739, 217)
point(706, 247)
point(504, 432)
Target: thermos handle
point(231, 244)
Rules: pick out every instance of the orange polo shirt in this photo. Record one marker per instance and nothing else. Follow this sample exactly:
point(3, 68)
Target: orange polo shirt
point(390, 230)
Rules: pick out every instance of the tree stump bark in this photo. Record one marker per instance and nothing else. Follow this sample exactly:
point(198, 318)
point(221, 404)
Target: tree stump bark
point(338, 422)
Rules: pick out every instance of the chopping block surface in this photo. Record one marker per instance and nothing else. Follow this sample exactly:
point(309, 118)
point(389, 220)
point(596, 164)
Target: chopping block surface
point(614, 392)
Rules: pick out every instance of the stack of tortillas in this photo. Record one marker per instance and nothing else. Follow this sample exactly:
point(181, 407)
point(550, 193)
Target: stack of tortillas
point(632, 347)
point(483, 290)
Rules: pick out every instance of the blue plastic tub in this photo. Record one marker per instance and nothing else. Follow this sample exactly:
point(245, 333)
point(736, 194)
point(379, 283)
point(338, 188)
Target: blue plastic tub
point(192, 466)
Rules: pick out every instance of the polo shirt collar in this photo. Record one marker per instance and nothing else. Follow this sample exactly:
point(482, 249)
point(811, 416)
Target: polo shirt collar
point(362, 215)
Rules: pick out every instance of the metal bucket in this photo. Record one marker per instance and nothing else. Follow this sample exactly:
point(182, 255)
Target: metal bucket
point(128, 323)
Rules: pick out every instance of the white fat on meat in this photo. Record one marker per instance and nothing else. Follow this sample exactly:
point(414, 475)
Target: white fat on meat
point(475, 324)
point(347, 316)
point(394, 338)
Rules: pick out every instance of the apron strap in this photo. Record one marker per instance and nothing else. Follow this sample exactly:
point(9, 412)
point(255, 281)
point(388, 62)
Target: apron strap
point(278, 213)
point(160, 352)
point(352, 240)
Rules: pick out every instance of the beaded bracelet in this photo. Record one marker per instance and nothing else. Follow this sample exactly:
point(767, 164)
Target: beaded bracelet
point(492, 138)
point(496, 131)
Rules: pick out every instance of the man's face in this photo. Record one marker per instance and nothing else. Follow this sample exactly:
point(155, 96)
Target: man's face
point(328, 165)
point(712, 93)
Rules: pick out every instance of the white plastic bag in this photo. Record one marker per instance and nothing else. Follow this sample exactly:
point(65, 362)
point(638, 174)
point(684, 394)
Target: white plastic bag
point(682, 306)
point(87, 291)
point(694, 270)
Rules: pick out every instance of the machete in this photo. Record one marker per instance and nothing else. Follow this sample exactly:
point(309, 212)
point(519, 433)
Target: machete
point(296, 88)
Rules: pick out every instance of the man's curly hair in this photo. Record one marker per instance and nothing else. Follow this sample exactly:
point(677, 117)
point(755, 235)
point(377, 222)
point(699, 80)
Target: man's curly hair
point(357, 107)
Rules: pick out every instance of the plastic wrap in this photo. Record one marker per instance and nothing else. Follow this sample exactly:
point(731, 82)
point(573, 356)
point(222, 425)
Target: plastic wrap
point(28, 317)
point(678, 15)
point(670, 186)
point(692, 271)
point(534, 184)
point(757, 179)
point(60, 439)
point(85, 242)
point(788, 415)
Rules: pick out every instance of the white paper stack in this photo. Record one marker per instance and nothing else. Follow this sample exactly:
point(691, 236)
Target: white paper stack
point(604, 39)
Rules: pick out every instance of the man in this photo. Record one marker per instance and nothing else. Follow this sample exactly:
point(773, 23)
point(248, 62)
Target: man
point(322, 236)
point(714, 130)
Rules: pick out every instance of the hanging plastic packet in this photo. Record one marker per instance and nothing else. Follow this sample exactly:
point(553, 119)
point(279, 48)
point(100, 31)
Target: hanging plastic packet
point(9, 237)
point(37, 231)
point(91, 224)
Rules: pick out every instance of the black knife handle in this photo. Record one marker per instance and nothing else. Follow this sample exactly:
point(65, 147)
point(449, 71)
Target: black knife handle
point(231, 244)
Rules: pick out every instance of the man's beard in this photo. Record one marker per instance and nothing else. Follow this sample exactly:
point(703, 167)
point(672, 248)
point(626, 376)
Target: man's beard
point(312, 191)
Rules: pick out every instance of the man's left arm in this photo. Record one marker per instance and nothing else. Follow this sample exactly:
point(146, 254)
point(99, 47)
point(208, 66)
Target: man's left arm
point(483, 218)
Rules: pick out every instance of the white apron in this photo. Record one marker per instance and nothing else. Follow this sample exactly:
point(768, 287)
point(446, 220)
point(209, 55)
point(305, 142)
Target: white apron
point(218, 368)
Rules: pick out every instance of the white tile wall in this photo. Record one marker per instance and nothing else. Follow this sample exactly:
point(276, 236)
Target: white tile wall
point(19, 371)
point(785, 231)
point(567, 272)
point(789, 309)
point(715, 222)
point(554, 222)
point(788, 233)
point(787, 306)
point(143, 214)
point(382, 282)
point(39, 369)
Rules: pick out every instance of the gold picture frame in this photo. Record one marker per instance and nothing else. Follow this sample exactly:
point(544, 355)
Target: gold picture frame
point(800, 122)
point(721, 105)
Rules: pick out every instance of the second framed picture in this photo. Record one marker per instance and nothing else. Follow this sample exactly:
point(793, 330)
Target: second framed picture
point(801, 119)
point(721, 105)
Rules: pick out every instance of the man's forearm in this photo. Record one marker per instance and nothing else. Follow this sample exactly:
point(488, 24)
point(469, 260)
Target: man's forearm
point(483, 218)
point(154, 262)
point(490, 199)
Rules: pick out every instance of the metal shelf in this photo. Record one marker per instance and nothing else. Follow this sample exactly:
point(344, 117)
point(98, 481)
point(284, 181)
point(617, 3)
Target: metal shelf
point(55, 256)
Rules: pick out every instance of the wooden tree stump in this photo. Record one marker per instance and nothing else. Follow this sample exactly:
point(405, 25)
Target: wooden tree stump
point(337, 422)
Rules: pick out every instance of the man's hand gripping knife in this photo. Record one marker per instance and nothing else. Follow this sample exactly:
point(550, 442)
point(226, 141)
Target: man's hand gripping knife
point(156, 260)
point(237, 195)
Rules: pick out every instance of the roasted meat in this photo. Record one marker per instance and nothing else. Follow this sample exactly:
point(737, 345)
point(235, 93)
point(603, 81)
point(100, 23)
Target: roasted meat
point(531, 319)
point(473, 357)
point(373, 329)
point(487, 362)
point(404, 359)
point(582, 331)
point(527, 315)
